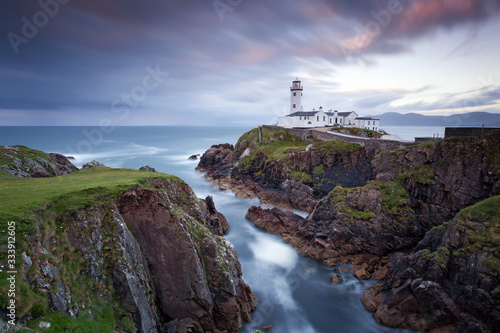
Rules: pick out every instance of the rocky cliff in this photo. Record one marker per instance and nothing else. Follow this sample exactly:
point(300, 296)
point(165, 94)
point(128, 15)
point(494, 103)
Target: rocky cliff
point(402, 195)
point(25, 162)
point(121, 250)
point(285, 170)
point(450, 281)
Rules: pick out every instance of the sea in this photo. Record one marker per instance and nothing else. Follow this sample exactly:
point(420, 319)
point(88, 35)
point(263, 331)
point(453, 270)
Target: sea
point(295, 292)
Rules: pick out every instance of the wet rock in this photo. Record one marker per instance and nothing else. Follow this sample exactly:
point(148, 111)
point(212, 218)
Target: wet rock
point(218, 161)
point(337, 279)
point(361, 273)
point(218, 223)
point(193, 157)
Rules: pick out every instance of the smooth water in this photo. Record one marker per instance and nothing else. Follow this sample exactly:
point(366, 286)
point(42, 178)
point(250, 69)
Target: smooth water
point(411, 132)
point(295, 292)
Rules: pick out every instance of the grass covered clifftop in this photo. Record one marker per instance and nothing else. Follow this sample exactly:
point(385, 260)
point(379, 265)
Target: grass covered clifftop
point(37, 207)
point(280, 155)
point(22, 198)
point(103, 250)
point(284, 169)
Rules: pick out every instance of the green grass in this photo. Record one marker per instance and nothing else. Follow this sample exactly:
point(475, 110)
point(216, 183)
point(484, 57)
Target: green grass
point(487, 235)
point(104, 320)
point(319, 170)
point(19, 195)
point(424, 174)
point(22, 198)
point(393, 196)
point(337, 146)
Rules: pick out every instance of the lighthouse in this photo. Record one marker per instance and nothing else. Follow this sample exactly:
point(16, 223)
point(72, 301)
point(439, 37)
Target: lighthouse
point(296, 96)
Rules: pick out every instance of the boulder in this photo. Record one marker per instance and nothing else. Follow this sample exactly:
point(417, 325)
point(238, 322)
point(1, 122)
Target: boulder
point(147, 168)
point(337, 279)
point(93, 164)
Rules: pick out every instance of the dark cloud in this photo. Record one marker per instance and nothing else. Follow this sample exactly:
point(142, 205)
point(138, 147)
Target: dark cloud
point(91, 53)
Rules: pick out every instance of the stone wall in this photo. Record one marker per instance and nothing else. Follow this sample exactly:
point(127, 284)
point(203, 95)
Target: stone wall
point(467, 131)
point(375, 144)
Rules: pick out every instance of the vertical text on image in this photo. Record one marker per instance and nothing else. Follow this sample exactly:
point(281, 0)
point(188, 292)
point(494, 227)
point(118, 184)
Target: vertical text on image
point(11, 272)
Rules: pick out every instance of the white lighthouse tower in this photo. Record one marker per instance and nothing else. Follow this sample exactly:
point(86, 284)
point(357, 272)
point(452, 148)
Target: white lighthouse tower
point(296, 96)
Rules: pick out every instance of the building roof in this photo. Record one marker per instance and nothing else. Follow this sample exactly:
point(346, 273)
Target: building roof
point(367, 118)
point(340, 114)
point(312, 113)
point(303, 113)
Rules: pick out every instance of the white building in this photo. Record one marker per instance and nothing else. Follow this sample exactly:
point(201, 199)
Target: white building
point(367, 123)
point(299, 118)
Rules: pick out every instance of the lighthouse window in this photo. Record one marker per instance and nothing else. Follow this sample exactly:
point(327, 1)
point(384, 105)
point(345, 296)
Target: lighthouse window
point(294, 106)
point(317, 118)
point(323, 118)
point(294, 94)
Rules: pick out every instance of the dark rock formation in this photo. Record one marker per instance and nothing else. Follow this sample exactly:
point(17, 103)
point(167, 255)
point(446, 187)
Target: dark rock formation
point(449, 280)
point(147, 168)
point(218, 161)
point(297, 178)
point(194, 157)
point(198, 274)
point(444, 177)
point(29, 163)
point(93, 164)
point(218, 222)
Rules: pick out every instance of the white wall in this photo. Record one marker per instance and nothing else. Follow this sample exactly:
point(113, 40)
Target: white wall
point(297, 100)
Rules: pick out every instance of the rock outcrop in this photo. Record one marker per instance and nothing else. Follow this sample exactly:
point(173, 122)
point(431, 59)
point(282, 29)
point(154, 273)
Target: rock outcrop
point(198, 274)
point(93, 164)
point(21, 161)
point(151, 258)
point(450, 282)
point(446, 281)
point(147, 168)
point(444, 177)
point(284, 170)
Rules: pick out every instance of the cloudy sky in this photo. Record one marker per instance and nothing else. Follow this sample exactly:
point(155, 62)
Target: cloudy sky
point(170, 62)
